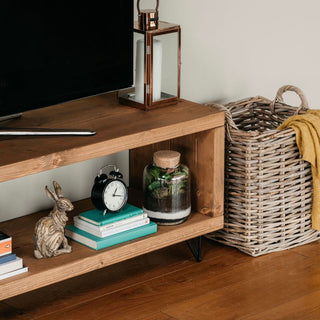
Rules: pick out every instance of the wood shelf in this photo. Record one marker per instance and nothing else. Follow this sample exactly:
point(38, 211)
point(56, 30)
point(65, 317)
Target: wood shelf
point(82, 259)
point(118, 128)
point(195, 130)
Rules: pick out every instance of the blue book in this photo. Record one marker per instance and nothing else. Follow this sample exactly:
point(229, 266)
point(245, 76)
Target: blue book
point(7, 258)
point(97, 243)
point(97, 218)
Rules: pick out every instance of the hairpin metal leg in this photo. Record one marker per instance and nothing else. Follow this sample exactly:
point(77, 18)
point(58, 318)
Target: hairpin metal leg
point(195, 248)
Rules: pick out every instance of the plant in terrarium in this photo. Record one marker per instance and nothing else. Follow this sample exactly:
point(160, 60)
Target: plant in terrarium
point(166, 190)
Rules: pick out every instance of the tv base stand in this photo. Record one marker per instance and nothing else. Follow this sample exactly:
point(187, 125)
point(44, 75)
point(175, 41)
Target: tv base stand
point(39, 131)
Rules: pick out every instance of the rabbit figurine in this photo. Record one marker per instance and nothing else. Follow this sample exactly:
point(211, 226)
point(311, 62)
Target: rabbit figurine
point(49, 239)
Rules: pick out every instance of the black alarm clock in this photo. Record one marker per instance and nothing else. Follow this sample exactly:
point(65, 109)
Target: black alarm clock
point(109, 192)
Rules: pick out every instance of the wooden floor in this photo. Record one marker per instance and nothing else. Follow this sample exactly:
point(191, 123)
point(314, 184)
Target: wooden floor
point(170, 284)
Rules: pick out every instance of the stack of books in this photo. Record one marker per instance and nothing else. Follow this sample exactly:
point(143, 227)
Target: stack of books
point(10, 264)
point(99, 231)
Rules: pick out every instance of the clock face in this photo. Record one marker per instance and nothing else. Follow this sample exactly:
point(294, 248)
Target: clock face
point(115, 195)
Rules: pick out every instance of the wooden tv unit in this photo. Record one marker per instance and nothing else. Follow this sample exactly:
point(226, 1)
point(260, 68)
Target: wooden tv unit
point(197, 131)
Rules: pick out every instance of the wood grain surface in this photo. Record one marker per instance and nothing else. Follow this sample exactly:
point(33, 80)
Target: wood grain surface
point(169, 284)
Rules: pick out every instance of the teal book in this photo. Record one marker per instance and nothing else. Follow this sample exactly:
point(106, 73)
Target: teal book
point(97, 243)
point(97, 218)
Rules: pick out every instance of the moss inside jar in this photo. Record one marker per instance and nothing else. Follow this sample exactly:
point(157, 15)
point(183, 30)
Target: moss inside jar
point(166, 186)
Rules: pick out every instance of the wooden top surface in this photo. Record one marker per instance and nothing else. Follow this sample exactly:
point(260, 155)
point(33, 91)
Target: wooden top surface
point(118, 128)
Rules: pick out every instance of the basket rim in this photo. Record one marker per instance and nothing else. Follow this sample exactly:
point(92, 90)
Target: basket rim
point(255, 102)
point(232, 129)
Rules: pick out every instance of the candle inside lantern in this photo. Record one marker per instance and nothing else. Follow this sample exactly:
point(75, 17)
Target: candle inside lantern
point(157, 69)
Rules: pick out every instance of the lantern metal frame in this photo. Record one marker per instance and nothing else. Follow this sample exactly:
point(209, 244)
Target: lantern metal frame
point(128, 98)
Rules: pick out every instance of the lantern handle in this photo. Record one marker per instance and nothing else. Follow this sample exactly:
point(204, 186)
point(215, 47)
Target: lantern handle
point(138, 6)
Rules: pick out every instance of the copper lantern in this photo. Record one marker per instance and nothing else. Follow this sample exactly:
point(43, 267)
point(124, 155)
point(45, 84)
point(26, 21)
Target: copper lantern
point(157, 56)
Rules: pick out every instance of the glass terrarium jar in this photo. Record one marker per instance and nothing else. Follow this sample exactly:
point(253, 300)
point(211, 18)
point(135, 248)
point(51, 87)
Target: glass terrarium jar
point(166, 187)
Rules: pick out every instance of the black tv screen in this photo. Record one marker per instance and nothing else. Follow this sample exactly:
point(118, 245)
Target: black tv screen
point(58, 51)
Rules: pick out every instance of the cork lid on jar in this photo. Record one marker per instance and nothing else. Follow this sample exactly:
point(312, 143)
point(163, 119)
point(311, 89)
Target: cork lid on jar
point(166, 158)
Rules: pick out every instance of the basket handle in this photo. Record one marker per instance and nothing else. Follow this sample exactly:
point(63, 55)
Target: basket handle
point(229, 123)
point(282, 90)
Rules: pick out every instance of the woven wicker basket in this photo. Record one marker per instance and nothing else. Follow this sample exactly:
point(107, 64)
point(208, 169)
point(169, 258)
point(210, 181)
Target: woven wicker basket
point(268, 187)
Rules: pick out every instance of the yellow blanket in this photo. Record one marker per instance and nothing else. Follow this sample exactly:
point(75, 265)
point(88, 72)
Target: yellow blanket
point(307, 129)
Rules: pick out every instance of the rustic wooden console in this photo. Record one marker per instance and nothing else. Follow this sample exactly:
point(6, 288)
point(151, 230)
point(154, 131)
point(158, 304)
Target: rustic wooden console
point(197, 131)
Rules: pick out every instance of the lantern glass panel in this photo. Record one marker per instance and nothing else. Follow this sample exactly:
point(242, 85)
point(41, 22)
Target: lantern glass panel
point(165, 66)
point(138, 63)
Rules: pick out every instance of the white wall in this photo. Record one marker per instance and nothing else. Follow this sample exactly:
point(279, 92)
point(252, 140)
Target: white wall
point(231, 49)
point(25, 195)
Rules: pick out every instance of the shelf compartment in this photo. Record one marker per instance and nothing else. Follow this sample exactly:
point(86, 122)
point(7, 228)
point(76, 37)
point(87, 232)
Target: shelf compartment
point(44, 272)
point(118, 128)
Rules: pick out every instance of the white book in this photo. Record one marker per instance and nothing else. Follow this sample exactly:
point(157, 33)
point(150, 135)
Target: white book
point(112, 224)
point(11, 265)
point(13, 273)
point(80, 224)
